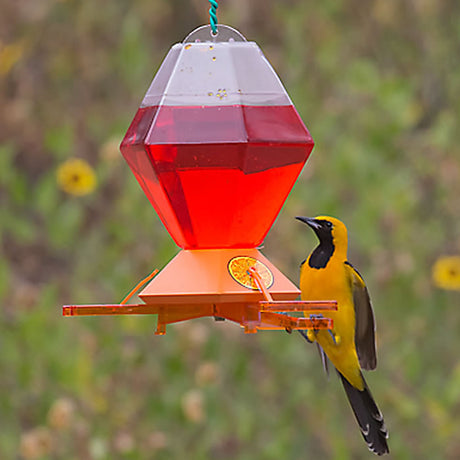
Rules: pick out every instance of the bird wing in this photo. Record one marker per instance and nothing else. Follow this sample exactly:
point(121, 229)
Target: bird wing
point(364, 321)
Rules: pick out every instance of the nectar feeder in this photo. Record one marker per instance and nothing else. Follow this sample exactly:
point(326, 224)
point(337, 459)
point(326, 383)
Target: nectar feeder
point(217, 146)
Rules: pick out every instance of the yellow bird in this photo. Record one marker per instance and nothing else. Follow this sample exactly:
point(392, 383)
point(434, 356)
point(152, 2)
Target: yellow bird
point(327, 275)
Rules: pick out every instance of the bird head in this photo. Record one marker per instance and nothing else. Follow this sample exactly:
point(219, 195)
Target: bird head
point(329, 230)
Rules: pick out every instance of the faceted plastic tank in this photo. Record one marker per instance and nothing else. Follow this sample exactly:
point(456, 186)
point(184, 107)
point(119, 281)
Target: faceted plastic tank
point(216, 144)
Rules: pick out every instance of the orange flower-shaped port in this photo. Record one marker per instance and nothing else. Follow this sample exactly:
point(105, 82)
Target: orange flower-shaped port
point(76, 177)
point(446, 273)
point(238, 268)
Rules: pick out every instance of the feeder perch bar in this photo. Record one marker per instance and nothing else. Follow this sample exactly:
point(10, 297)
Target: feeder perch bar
point(266, 314)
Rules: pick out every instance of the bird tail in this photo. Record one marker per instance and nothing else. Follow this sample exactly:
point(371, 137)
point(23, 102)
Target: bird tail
point(368, 416)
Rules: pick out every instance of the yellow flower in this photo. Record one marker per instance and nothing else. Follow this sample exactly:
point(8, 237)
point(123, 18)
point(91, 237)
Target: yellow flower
point(76, 177)
point(10, 55)
point(446, 273)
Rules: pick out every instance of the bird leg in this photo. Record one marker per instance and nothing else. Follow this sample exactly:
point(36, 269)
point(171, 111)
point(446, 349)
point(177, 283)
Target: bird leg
point(311, 334)
point(333, 336)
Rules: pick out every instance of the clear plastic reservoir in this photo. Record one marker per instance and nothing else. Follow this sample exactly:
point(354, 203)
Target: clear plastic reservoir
point(216, 144)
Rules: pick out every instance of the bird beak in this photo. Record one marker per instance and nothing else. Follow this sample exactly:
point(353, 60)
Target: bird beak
point(313, 223)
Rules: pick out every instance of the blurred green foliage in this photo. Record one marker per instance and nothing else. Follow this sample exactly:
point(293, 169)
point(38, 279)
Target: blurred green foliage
point(377, 84)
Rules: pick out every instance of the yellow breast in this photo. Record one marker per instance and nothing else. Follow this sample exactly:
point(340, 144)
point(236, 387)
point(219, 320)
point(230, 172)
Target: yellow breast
point(332, 283)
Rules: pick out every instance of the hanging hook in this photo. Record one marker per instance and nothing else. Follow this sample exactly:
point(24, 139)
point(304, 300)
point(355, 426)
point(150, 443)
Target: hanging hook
point(213, 16)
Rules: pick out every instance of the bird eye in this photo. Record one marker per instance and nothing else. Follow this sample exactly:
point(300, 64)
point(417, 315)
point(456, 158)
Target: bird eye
point(329, 224)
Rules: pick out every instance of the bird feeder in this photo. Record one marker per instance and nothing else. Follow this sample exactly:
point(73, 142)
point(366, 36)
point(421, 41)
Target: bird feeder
point(217, 145)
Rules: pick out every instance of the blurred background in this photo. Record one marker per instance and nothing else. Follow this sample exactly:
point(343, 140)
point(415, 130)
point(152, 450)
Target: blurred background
point(377, 84)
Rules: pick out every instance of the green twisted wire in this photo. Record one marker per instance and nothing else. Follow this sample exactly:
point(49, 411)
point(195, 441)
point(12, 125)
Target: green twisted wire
point(213, 15)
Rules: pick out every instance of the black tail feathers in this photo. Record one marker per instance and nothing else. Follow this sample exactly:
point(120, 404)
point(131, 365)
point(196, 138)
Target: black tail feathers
point(368, 416)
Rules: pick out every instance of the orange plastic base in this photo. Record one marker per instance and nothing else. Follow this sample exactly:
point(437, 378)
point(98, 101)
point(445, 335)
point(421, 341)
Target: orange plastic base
point(240, 285)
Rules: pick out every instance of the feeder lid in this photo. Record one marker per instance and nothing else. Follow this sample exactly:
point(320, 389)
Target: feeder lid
point(205, 34)
point(215, 70)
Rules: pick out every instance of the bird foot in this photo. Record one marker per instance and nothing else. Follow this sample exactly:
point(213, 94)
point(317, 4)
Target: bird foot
point(335, 337)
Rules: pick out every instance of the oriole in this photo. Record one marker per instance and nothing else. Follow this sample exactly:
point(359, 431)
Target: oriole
point(327, 275)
